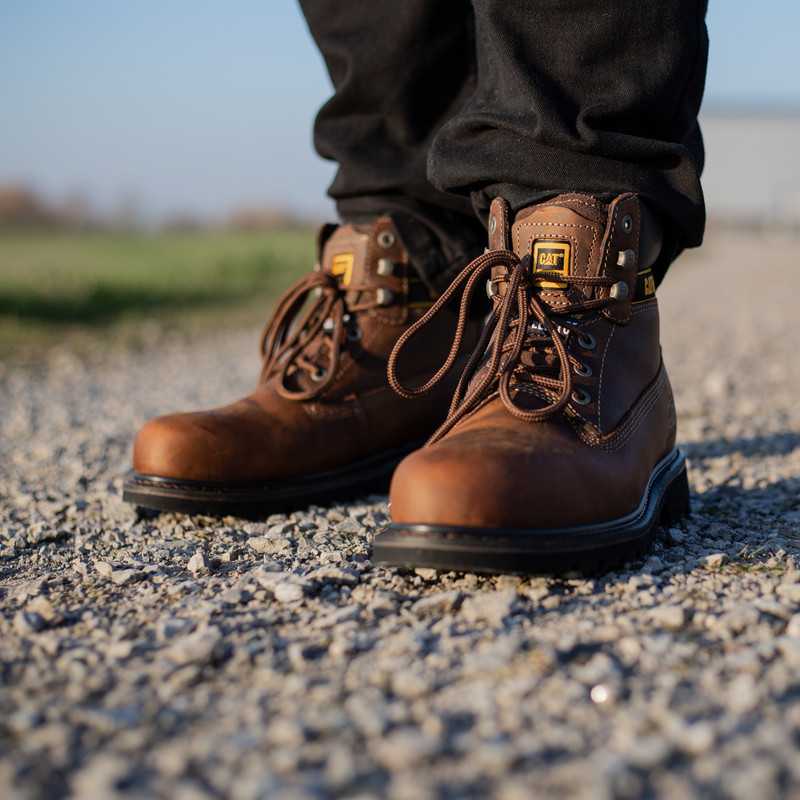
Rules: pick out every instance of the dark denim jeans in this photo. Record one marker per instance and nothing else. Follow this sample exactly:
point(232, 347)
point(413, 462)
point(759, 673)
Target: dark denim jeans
point(441, 105)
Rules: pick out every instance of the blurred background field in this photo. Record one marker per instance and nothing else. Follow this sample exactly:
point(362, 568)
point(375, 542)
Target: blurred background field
point(56, 284)
point(157, 169)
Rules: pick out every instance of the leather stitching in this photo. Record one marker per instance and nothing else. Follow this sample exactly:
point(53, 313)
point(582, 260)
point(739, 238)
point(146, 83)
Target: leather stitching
point(633, 420)
point(600, 381)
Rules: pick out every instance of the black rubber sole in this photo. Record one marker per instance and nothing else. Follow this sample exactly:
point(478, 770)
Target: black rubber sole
point(257, 500)
point(586, 549)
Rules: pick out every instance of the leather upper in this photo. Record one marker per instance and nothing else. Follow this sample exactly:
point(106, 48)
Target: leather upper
point(323, 400)
point(554, 433)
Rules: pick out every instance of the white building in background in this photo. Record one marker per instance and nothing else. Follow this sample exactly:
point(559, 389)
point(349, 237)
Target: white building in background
point(752, 171)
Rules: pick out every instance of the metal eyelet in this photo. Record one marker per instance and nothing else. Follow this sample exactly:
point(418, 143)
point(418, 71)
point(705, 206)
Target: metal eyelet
point(319, 375)
point(584, 370)
point(386, 239)
point(384, 296)
point(492, 289)
point(626, 259)
point(353, 333)
point(385, 267)
point(627, 223)
point(619, 291)
point(580, 397)
point(587, 341)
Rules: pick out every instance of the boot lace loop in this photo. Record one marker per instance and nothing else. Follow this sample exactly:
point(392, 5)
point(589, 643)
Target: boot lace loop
point(497, 355)
point(314, 342)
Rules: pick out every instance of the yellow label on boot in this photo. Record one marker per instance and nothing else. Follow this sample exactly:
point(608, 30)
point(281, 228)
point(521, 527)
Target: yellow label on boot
point(342, 267)
point(645, 287)
point(551, 257)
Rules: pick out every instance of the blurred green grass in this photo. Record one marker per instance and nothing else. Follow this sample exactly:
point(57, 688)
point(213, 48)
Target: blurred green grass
point(106, 285)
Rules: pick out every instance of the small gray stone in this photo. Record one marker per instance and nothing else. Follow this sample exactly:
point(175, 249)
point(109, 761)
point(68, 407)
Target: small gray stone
point(126, 577)
point(198, 648)
point(281, 530)
point(491, 607)
point(288, 592)
point(696, 738)
point(330, 573)
point(648, 752)
point(793, 627)
point(676, 536)
point(27, 622)
point(267, 568)
point(789, 591)
point(99, 775)
point(170, 627)
point(743, 694)
point(772, 608)
point(337, 617)
point(739, 619)
point(104, 568)
point(667, 616)
point(267, 546)
point(789, 648)
point(348, 525)
point(198, 564)
point(437, 604)
point(402, 749)
point(382, 604)
point(235, 596)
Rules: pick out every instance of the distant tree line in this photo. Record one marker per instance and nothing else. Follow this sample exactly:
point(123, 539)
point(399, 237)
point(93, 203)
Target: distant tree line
point(22, 208)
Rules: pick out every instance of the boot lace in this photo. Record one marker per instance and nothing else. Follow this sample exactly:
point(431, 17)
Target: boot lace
point(314, 342)
point(508, 332)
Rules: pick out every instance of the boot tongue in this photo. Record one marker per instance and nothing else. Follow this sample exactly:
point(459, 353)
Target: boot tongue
point(343, 253)
point(564, 236)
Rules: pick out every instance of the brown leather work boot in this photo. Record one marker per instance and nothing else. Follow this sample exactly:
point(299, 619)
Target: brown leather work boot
point(323, 422)
point(559, 450)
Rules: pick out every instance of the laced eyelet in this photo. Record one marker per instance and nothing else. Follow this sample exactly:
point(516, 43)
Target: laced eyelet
point(584, 370)
point(384, 296)
point(587, 341)
point(626, 259)
point(385, 267)
point(580, 397)
point(319, 375)
point(619, 291)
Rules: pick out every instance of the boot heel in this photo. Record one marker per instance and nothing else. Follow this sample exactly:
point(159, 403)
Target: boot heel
point(676, 499)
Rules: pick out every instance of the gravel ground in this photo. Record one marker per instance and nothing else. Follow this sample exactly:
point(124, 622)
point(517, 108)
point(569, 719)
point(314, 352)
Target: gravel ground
point(188, 658)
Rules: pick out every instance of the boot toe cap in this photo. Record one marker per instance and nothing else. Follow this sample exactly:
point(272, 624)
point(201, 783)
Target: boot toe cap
point(506, 487)
point(183, 447)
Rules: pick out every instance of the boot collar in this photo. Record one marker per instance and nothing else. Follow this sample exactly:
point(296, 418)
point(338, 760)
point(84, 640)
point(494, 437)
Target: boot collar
point(575, 235)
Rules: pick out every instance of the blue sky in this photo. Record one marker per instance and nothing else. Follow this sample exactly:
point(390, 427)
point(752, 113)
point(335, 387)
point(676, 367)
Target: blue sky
point(200, 106)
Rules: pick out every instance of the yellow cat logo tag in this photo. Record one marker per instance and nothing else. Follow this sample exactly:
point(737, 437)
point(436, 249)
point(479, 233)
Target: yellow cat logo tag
point(551, 257)
point(645, 287)
point(342, 267)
